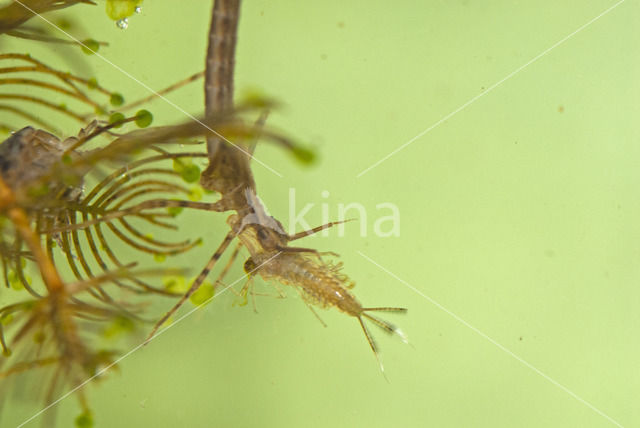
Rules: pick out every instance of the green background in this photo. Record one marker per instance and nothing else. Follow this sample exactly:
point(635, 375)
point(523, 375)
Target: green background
point(519, 216)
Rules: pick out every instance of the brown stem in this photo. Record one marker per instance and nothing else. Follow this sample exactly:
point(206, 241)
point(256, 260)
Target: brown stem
point(229, 167)
point(218, 85)
point(19, 218)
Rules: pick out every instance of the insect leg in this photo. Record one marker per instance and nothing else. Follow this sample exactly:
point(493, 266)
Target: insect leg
point(305, 250)
point(281, 294)
point(243, 292)
point(253, 300)
point(196, 284)
point(316, 253)
point(227, 267)
point(306, 302)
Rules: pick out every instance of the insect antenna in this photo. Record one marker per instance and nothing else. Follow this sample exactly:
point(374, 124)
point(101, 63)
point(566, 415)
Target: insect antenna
point(317, 229)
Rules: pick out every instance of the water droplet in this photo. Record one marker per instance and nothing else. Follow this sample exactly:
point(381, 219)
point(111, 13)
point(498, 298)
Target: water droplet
point(138, 9)
point(122, 23)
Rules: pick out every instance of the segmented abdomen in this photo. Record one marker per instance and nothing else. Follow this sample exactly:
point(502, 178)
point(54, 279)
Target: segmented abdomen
point(321, 284)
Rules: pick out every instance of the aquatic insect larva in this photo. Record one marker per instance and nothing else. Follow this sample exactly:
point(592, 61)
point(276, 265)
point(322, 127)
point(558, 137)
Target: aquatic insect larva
point(323, 285)
point(319, 283)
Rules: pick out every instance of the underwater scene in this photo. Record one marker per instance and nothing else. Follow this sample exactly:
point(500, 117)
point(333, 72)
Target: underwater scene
point(319, 214)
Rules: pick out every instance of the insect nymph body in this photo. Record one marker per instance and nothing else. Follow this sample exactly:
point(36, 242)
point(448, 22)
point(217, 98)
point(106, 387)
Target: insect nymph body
point(320, 283)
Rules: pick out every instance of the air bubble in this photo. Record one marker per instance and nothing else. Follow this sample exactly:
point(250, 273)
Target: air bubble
point(122, 23)
point(138, 9)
